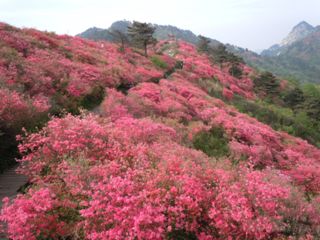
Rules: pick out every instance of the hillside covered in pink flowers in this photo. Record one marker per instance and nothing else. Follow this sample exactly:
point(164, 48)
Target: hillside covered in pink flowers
point(121, 146)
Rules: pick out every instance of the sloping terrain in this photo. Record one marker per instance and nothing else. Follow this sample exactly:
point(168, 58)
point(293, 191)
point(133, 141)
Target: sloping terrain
point(297, 56)
point(158, 154)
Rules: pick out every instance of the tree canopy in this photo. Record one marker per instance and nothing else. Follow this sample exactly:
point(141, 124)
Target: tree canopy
point(141, 34)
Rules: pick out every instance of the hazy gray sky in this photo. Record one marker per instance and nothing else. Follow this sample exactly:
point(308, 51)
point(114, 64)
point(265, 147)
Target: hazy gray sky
point(253, 24)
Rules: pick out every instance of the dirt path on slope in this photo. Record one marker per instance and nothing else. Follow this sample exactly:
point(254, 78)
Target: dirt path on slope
point(10, 182)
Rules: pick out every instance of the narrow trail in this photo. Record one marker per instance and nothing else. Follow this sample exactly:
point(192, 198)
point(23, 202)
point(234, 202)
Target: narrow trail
point(10, 182)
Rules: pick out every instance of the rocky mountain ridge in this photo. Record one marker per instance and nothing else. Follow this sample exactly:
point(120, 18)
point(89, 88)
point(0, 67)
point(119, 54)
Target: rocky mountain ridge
point(299, 32)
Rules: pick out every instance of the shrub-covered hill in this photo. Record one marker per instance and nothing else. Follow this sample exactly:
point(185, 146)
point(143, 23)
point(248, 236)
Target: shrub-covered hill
point(160, 155)
point(43, 73)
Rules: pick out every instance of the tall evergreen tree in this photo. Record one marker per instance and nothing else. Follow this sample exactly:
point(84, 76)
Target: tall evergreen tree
point(203, 44)
point(142, 35)
point(266, 82)
point(120, 37)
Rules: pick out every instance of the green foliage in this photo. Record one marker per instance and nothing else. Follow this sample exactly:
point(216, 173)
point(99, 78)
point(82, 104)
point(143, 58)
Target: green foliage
point(67, 53)
point(298, 123)
point(293, 98)
point(274, 116)
point(311, 90)
point(8, 54)
point(311, 104)
point(306, 128)
point(235, 71)
point(125, 87)
point(219, 54)
point(267, 84)
point(312, 107)
point(159, 62)
point(298, 113)
point(93, 99)
point(141, 34)
point(24, 188)
point(203, 44)
point(213, 143)
point(212, 86)
point(181, 235)
point(179, 64)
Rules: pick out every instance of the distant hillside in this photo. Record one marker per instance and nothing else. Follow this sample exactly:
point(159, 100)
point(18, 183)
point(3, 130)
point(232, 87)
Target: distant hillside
point(297, 56)
point(162, 32)
point(95, 33)
point(299, 32)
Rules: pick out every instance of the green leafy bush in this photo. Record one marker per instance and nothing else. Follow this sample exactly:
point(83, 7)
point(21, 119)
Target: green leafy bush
point(220, 54)
point(279, 118)
point(293, 97)
point(159, 62)
point(181, 235)
point(94, 98)
point(235, 71)
point(213, 143)
point(267, 84)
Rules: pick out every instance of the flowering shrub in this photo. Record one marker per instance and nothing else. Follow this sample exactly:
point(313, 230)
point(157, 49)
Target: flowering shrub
point(11, 104)
point(33, 216)
point(131, 178)
point(227, 94)
point(233, 209)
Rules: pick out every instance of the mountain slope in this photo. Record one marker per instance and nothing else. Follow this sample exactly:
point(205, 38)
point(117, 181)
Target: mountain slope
point(297, 56)
point(162, 155)
point(299, 32)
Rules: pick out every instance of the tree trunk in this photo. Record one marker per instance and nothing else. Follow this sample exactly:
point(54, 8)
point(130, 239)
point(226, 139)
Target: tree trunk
point(145, 49)
point(122, 45)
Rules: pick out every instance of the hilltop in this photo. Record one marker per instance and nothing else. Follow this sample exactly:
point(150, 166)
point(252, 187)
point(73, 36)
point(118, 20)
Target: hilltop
point(153, 147)
point(162, 32)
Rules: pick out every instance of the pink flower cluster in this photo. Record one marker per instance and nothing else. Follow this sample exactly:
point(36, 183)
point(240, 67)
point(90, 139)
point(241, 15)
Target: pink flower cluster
point(29, 218)
point(15, 108)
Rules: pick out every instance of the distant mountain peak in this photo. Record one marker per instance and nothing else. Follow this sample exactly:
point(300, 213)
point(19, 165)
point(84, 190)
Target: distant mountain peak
point(121, 26)
point(298, 32)
point(303, 24)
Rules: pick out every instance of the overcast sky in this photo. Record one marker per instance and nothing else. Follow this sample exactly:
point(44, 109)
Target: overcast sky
point(253, 24)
